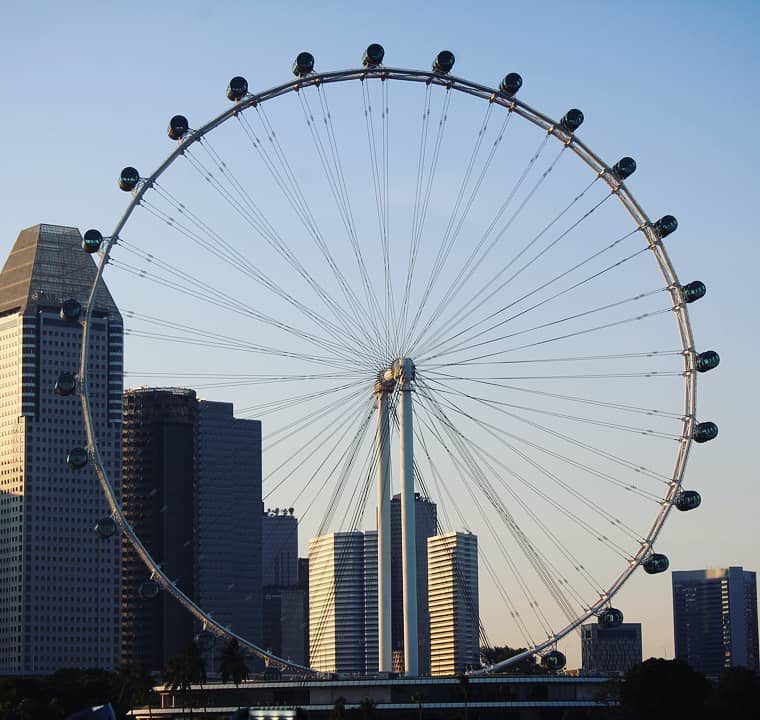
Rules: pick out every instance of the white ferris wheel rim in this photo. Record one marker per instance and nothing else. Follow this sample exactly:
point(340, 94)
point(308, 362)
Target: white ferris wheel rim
point(538, 119)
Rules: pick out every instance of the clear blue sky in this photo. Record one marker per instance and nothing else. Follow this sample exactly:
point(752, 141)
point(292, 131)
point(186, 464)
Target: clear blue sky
point(88, 88)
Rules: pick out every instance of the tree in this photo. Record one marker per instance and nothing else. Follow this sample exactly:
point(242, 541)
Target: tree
point(367, 706)
point(738, 690)
point(135, 688)
point(419, 698)
point(526, 666)
point(464, 686)
point(339, 709)
point(660, 689)
point(232, 663)
point(182, 671)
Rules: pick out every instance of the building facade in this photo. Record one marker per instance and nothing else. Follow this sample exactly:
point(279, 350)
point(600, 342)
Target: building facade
point(338, 622)
point(453, 603)
point(715, 619)
point(426, 523)
point(158, 467)
point(611, 651)
point(59, 583)
point(192, 491)
point(227, 510)
point(279, 555)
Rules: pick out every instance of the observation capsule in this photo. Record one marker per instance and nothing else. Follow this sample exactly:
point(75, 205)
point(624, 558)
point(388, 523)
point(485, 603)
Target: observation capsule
point(572, 120)
point(178, 127)
point(91, 241)
point(707, 360)
point(624, 168)
point(303, 65)
point(443, 62)
point(66, 384)
point(128, 179)
point(666, 225)
point(554, 660)
point(693, 291)
point(205, 640)
point(106, 527)
point(149, 589)
point(237, 89)
point(510, 84)
point(688, 500)
point(610, 617)
point(77, 458)
point(70, 310)
point(656, 563)
point(705, 431)
point(373, 55)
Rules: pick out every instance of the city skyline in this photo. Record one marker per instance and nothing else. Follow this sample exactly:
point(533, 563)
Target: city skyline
point(731, 454)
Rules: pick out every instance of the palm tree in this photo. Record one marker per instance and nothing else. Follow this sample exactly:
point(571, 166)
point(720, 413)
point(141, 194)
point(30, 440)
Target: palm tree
point(418, 698)
point(184, 670)
point(464, 686)
point(367, 706)
point(232, 663)
point(136, 687)
point(339, 709)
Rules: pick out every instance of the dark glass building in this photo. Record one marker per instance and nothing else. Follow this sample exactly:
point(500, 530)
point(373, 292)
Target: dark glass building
point(279, 555)
point(193, 494)
point(611, 651)
point(715, 619)
point(158, 472)
point(426, 521)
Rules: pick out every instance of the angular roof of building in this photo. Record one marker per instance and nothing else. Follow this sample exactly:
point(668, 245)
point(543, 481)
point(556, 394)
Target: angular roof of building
point(46, 266)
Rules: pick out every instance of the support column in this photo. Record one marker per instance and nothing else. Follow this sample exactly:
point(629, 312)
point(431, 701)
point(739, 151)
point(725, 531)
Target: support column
point(382, 440)
point(405, 375)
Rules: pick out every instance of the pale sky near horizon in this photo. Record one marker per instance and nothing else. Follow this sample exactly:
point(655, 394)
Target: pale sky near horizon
point(88, 89)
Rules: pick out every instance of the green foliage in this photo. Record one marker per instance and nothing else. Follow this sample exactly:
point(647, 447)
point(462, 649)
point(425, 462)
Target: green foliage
point(738, 693)
point(63, 693)
point(527, 666)
point(660, 689)
point(232, 664)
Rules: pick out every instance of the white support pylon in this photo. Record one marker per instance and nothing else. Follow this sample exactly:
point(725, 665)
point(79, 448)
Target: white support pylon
point(404, 373)
point(382, 439)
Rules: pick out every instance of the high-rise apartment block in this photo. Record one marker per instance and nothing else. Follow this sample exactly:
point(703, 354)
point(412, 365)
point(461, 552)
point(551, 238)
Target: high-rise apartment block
point(279, 554)
point(59, 583)
point(339, 625)
point(453, 603)
point(715, 619)
point(285, 630)
point(611, 651)
point(192, 491)
point(426, 523)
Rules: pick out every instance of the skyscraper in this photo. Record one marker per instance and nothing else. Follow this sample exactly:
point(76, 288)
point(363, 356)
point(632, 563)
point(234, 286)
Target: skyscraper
point(227, 511)
point(279, 554)
point(192, 491)
point(285, 630)
point(715, 619)
point(59, 583)
point(453, 602)
point(610, 650)
point(159, 427)
point(337, 602)
point(426, 521)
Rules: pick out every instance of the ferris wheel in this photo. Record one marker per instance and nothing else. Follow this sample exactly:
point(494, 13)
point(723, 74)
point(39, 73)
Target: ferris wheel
point(353, 249)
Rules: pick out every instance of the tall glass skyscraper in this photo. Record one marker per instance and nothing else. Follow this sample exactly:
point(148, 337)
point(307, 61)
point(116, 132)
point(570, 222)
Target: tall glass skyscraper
point(192, 491)
point(59, 583)
point(715, 619)
point(426, 523)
